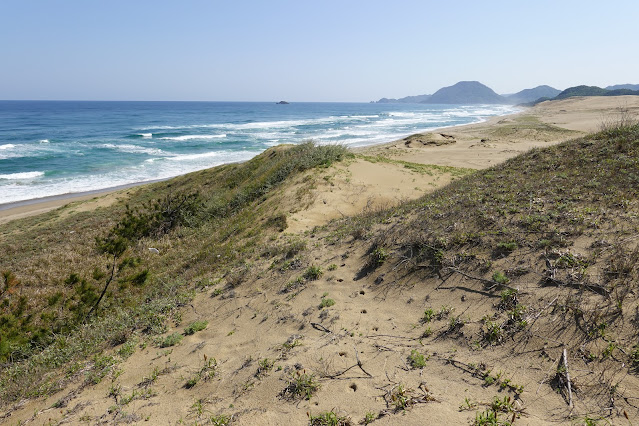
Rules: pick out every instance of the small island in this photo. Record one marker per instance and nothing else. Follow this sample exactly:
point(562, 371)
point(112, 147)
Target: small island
point(282, 103)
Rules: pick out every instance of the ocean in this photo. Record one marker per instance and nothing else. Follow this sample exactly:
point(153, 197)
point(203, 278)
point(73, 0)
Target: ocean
point(59, 147)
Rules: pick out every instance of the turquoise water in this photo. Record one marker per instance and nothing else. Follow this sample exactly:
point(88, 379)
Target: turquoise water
point(54, 147)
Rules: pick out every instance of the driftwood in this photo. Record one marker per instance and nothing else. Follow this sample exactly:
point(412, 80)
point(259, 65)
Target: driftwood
point(564, 376)
point(359, 364)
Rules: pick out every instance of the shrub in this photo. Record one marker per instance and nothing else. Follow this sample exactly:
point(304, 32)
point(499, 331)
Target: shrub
point(170, 340)
point(300, 386)
point(507, 247)
point(313, 273)
point(500, 278)
point(326, 303)
point(195, 327)
point(416, 359)
point(378, 256)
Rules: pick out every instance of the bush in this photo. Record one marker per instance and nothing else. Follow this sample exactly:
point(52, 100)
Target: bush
point(170, 340)
point(500, 278)
point(326, 303)
point(313, 273)
point(416, 359)
point(301, 386)
point(195, 327)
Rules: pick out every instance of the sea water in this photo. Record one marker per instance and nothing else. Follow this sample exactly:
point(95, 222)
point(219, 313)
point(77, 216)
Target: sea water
point(59, 147)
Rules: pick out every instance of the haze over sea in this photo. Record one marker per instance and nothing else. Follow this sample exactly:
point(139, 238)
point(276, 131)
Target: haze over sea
point(58, 147)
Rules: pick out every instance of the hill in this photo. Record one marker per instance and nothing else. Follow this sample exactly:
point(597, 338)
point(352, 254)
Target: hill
point(585, 91)
point(408, 99)
point(529, 95)
point(581, 91)
point(466, 92)
point(623, 86)
point(508, 295)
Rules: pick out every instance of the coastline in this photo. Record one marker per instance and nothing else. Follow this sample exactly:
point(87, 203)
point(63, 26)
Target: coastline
point(556, 121)
point(34, 206)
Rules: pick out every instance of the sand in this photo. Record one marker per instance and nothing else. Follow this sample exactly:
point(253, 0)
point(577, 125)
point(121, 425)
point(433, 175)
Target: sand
point(363, 184)
point(374, 321)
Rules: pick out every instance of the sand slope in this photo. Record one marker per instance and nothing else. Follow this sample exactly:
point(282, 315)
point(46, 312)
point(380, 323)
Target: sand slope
point(358, 349)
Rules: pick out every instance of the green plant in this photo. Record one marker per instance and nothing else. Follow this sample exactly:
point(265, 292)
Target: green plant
point(102, 365)
point(313, 273)
point(493, 333)
point(220, 420)
point(195, 327)
point(444, 311)
point(500, 278)
point(416, 359)
point(378, 256)
point(428, 315)
point(170, 340)
point(501, 412)
point(300, 386)
point(329, 418)
point(146, 381)
point(264, 366)
point(205, 372)
point(127, 349)
point(507, 247)
point(369, 418)
point(326, 303)
point(332, 267)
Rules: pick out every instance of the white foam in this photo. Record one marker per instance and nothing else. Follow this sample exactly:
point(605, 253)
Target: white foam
point(135, 149)
point(192, 137)
point(22, 175)
point(43, 141)
point(7, 146)
point(190, 157)
point(146, 135)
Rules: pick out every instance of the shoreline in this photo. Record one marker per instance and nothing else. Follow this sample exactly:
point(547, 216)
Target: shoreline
point(478, 145)
point(25, 208)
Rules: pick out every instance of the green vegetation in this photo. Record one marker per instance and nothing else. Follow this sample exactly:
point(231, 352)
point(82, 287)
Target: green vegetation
point(500, 412)
point(428, 315)
point(195, 326)
point(264, 366)
point(378, 256)
point(170, 340)
point(90, 289)
point(205, 372)
point(313, 273)
point(97, 295)
point(326, 303)
point(300, 386)
point(500, 278)
point(427, 169)
point(416, 359)
point(329, 418)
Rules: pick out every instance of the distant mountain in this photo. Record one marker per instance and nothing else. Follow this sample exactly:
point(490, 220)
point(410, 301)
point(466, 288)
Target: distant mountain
point(587, 91)
point(581, 91)
point(406, 100)
point(529, 95)
point(623, 86)
point(466, 92)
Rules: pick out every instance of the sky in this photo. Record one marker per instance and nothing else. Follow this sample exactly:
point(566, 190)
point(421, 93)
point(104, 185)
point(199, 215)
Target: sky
point(323, 51)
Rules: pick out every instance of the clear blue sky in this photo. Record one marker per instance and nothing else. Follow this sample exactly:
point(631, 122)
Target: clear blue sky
point(308, 50)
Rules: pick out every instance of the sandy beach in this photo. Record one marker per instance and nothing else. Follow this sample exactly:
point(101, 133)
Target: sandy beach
point(474, 146)
point(362, 348)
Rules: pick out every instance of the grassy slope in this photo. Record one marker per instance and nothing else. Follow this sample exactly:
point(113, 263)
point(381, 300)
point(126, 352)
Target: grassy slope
point(504, 268)
point(54, 271)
